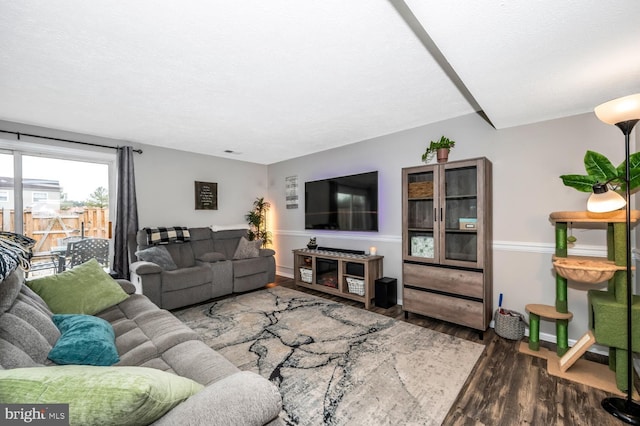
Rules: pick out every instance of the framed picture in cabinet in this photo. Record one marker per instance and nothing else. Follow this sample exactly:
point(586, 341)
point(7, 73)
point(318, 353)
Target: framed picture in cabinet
point(422, 246)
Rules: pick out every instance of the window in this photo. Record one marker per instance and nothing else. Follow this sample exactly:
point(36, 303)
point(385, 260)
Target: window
point(39, 197)
point(65, 193)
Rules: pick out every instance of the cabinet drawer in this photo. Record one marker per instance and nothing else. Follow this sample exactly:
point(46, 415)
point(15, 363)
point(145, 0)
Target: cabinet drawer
point(466, 283)
point(447, 308)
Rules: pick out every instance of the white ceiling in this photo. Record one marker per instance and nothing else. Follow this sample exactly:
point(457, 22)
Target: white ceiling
point(278, 79)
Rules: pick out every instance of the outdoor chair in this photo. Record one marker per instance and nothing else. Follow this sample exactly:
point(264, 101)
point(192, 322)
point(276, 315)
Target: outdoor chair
point(89, 248)
point(62, 252)
point(43, 262)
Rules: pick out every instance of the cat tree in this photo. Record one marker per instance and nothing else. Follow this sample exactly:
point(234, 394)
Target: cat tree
point(606, 308)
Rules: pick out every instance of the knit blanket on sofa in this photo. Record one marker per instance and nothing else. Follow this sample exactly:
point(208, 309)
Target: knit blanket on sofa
point(15, 250)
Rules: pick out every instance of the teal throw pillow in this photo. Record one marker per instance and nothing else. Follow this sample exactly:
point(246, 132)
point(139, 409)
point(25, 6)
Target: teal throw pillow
point(84, 340)
point(98, 395)
point(85, 289)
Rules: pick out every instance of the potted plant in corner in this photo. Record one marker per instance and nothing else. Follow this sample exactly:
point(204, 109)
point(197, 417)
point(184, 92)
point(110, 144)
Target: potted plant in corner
point(440, 148)
point(257, 219)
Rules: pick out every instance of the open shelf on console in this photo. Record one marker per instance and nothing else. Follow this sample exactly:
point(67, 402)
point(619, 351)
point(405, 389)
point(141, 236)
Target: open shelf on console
point(347, 275)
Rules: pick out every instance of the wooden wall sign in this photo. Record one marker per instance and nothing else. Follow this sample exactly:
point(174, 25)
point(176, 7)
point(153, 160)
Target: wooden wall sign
point(206, 195)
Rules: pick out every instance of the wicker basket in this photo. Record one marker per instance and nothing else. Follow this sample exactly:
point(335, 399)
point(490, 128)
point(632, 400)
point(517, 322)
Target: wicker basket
point(356, 286)
point(420, 189)
point(306, 275)
point(509, 324)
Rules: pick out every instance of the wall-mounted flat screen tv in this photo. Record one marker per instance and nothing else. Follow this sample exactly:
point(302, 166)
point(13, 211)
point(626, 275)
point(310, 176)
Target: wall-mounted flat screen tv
point(346, 203)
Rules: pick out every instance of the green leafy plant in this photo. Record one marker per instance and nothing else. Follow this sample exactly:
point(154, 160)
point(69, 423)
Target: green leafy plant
point(434, 146)
point(257, 219)
point(600, 170)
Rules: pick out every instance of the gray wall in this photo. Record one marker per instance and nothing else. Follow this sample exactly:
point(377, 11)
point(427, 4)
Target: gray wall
point(165, 188)
point(527, 163)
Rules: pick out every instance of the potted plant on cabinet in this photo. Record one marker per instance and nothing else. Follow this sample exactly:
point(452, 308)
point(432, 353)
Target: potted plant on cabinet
point(440, 148)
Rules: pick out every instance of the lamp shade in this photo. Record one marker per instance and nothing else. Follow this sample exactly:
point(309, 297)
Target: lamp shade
point(619, 110)
point(604, 202)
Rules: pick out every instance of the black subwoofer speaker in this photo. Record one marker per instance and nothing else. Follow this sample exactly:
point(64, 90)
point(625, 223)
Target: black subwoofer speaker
point(386, 292)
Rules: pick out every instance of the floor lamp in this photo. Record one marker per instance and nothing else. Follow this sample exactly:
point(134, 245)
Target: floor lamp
point(623, 113)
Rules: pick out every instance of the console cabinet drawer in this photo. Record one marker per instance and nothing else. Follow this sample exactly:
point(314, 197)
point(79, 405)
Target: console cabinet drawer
point(466, 283)
point(447, 308)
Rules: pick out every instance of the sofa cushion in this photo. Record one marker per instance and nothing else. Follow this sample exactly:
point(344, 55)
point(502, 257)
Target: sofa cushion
point(30, 346)
point(201, 241)
point(211, 257)
point(186, 278)
point(85, 289)
point(182, 255)
point(99, 395)
point(244, 398)
point(247, 249)
point(158, 255)
point(197, 361)
point(144, 333)
point(85, 340)
point(135, 305)
point(245, 267)
point(164, 329)
point(226, 242)
point(9, 289)
point(27, 332)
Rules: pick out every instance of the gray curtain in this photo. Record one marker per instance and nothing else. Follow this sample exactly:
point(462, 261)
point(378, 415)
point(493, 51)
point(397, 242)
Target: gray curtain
point(126, 211)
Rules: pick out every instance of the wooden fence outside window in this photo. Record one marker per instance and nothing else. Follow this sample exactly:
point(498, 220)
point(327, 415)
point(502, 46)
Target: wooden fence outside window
point(49, 229)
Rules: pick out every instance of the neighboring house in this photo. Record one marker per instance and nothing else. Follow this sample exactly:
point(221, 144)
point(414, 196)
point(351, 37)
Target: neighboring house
point(41, 196)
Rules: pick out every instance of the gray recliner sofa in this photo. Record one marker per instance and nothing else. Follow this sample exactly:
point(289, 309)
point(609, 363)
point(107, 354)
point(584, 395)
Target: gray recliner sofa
point(145, 336)
point(206, 269)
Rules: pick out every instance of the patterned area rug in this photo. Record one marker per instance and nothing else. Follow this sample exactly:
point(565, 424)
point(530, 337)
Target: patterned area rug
point(336, 364)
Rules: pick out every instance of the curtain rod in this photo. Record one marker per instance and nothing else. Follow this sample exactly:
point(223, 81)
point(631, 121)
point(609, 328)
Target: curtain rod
point(139, 151)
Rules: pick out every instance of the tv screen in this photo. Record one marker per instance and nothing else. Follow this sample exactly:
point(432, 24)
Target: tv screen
point(347, 203)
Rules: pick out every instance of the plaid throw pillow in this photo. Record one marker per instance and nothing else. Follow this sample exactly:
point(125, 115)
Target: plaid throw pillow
point(167, 235)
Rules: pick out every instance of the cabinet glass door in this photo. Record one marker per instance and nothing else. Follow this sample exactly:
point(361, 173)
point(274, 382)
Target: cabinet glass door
point(460, 204)
point(421, 207)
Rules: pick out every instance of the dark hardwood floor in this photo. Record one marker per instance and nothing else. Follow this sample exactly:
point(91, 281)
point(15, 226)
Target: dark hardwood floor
point(506, 387)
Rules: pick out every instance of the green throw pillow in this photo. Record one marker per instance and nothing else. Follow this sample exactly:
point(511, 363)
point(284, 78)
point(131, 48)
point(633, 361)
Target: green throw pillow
point(84, 340)
point(85, 289)
point(98, 395)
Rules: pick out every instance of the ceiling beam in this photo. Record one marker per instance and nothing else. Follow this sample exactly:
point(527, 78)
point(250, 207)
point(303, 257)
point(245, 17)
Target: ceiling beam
point(414, 24)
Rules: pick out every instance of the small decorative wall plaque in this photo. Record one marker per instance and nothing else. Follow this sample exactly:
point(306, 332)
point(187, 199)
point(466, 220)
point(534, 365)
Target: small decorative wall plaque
point(206, 195)
point(291, 192)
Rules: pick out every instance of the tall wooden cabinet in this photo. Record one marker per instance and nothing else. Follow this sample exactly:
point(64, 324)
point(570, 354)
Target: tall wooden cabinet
point(447, 240)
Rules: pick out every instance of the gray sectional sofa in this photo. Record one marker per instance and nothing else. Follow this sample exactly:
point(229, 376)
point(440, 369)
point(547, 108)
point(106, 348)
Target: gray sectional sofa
point(207, 267)
point(145, 336)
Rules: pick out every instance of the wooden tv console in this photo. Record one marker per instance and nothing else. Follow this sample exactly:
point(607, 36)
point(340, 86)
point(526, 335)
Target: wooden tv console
point(351, 276)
